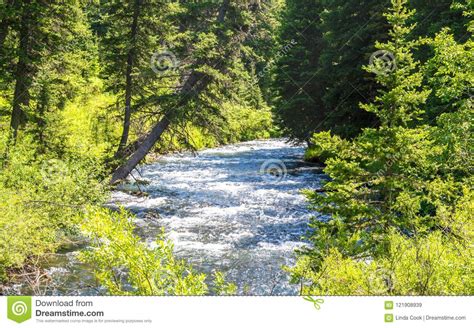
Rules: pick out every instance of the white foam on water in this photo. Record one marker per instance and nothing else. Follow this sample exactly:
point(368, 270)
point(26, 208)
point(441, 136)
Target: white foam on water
point(222, 214)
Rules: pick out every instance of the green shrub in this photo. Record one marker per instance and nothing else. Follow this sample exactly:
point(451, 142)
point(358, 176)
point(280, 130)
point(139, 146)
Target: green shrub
point(432, 265)
point(125, 265)
point(40, 202)
point(324, 146)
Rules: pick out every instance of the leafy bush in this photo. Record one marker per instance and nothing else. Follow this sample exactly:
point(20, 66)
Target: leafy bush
point(40, 202)
point(324, 146)
point(125, 265)
point(432, 265)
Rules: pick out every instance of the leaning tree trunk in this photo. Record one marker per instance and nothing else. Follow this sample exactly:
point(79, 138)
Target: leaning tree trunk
point(195, 83)
point(142, 150)
point(124, 170)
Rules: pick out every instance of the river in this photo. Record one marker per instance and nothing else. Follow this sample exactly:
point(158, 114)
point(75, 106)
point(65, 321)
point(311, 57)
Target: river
point(237, 209)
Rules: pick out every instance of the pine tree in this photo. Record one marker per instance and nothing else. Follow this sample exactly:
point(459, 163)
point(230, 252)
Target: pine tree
point(450, 26)
point(24, 70)
point(132, 33)
point(399, 197)
point(319, 82)
point(434, 15)
point(51, 41)
point(350, 29)
point(205, 81)
point(298, 104)
point(370, 176)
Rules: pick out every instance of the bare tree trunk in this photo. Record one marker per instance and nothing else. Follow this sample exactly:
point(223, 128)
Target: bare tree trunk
point(21, 97)
point(128, 76)
point(195, 83)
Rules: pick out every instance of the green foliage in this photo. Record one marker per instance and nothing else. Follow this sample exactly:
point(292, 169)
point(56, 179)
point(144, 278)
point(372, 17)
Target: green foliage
point(398, 198)
point(432, 16)
point(436, 264)
point(228, 107)
point(396, 212)
point(127, 266)
point(350, 29)
point(241, 124)
point(324, 146)
point(449, 74)
point(68, 72)
point(49, 57)
point(433, 265)
point(41, 200)
point(298, 103)
point(222, 287)
point(400, 103)
point(319, 82)
point(86, 129)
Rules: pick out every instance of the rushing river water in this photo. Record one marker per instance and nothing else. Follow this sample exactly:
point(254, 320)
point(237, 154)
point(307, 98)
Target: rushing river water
point(237, 209)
